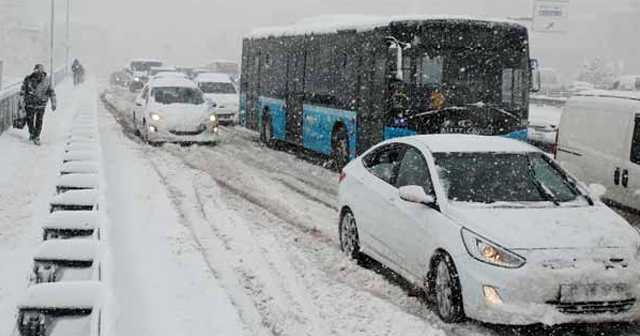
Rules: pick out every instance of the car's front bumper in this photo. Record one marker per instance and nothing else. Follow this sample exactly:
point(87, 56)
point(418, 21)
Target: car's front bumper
point(531, 294)
point(202, 134)
point(227, 115)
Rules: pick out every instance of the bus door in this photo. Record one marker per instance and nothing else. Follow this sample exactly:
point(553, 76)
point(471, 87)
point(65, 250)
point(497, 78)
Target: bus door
point(295, 93)
point(253, 90)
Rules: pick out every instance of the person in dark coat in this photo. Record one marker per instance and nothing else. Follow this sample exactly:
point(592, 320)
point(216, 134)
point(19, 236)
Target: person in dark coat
point(35, 93)
point(78, 72)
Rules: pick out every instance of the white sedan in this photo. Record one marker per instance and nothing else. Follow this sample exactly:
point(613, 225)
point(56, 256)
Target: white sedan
point(491, 229)
point(174, 110)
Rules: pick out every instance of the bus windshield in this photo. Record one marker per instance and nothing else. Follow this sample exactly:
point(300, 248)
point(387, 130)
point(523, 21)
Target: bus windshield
point(468, 63)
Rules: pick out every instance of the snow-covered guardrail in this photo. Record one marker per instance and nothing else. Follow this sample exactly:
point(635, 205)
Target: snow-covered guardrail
point(9, 97)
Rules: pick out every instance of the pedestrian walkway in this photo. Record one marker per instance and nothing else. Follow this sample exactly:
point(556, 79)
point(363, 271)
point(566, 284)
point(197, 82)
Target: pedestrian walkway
point(27, 182)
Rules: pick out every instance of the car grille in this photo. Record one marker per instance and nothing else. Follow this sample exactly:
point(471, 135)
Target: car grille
point(596, 307)
point(183, 133)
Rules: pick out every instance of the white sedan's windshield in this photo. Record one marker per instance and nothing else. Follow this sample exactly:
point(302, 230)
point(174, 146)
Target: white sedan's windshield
point(503, 177)
point(178, 95)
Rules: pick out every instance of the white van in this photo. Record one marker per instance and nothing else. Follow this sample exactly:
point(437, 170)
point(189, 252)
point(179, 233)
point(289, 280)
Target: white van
point(627, 83)
point(599, 142)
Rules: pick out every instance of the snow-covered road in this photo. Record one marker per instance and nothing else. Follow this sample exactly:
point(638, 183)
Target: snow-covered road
point(263, 223)
point(232, 239)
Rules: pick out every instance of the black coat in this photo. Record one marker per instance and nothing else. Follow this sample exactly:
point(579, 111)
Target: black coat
point(36, 91)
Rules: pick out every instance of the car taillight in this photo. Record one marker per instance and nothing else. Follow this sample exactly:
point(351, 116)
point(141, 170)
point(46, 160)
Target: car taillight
point(342, 176)
point(554, 148)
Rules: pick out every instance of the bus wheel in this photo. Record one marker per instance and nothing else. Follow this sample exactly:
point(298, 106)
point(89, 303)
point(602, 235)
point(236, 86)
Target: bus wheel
point(340, 150)
point(267, 131)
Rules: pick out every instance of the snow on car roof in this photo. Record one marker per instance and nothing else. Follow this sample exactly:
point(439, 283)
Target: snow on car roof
point(71, 220)
point(63, 295)
point(78, 180)
point(335, 23)
point(214, 77)
point(163, 67)
point(172, 82)
point(67, 249)
point(145, 60)
point(77, 197)
point(630, 95)
point(460, 143)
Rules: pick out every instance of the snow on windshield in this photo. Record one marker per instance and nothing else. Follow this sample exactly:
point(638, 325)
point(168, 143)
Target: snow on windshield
point(502, 177)
point(177, 95)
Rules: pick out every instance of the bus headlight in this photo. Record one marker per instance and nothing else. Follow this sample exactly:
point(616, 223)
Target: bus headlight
point(155, 117)
point(213, 118)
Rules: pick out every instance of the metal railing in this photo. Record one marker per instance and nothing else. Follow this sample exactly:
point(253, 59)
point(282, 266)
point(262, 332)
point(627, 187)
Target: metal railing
point(10, 97)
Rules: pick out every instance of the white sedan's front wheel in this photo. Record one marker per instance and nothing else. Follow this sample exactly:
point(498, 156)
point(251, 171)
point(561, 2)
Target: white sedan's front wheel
point(349, 241)
point(448, 292)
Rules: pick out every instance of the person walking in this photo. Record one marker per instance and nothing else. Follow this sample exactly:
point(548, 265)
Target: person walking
point(35, 93)
point(77, 69)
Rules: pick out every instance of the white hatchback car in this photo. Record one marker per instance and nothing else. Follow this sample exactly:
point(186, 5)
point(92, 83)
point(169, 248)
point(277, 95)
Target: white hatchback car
point(174, 110)
point(492, 229)
point(218, 88)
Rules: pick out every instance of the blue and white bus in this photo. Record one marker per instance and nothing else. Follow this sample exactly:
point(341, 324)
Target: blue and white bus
point(339, 88)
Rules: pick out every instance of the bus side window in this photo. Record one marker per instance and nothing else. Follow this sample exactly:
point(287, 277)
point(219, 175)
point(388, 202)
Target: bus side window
point(635, 142)
point(430, 70)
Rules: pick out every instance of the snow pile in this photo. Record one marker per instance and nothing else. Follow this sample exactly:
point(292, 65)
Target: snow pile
point(80, 181)
point(79, 156)
point(71, 220)
point(63, 295)
point(67, 249)
point(79, 167)
point(77, 197)
point(360, 23)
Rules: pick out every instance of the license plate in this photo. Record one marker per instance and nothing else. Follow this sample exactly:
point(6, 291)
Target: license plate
point(593, 292)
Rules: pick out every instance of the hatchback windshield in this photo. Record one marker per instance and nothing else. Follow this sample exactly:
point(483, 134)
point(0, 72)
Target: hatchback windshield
point(503, 177)
point(221, 88)
point(178, 95)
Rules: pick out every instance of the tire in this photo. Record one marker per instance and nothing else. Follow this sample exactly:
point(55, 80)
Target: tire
point(266, 134)
point(135, 125)
point(340, 148)
point(145, 132)
point(447, 290)
point(348, 234)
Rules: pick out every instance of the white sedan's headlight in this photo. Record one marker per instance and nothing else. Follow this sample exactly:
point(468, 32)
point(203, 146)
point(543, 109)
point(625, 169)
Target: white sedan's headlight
point(213, 118)
point(490, 253)
point(155, 117)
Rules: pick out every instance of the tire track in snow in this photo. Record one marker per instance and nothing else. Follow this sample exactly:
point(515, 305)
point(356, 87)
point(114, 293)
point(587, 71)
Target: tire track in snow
point(343, 272)
point(270, 288)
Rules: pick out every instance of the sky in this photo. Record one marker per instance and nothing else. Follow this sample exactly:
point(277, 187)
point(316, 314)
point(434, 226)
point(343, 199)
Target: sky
point(197, 31)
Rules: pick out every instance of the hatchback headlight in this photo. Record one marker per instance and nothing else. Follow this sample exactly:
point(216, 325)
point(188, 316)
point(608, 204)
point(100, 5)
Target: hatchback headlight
point(488, 252)
point(155, 117)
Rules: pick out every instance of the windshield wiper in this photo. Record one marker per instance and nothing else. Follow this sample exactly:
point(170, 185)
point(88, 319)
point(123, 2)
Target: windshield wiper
point(542, 189)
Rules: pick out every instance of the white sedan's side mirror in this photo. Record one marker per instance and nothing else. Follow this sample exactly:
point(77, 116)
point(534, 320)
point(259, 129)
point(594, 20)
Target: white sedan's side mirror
point(416, 194)
point(597, 190)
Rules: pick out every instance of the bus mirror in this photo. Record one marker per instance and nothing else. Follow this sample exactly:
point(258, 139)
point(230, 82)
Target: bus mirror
point(399, 75)
point(536, 82)
point(395, 45)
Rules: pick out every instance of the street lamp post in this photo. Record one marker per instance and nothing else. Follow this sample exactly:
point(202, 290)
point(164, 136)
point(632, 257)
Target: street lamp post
point(51, 45)
point(66, 64)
